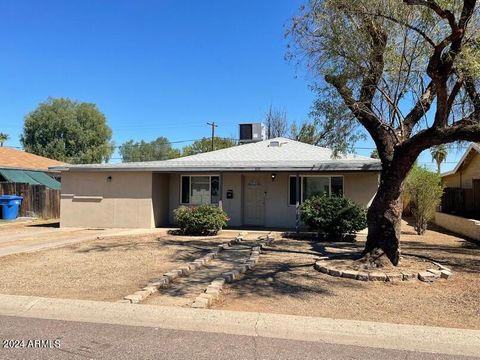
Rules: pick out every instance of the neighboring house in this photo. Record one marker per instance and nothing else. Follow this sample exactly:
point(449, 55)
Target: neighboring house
point(462, 185)
point(18, 166)
point(257, 184)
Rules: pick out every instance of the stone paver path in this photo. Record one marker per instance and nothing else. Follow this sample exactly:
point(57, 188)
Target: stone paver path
point(183, 291)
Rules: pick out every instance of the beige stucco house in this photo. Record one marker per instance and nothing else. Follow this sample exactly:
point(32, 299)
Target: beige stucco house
point(259, 185)
point(462, 184)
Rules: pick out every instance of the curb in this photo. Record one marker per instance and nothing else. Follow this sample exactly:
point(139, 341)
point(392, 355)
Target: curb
point(302, 328)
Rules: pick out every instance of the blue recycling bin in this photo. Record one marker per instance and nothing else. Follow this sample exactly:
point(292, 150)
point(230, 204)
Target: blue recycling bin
point(10, 206)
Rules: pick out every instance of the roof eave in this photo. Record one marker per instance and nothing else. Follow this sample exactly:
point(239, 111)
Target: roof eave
point(49, 170)
point(328, 168)
point(472, 146)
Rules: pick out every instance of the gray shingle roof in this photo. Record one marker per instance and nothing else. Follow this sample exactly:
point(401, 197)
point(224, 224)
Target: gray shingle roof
point(288, 155)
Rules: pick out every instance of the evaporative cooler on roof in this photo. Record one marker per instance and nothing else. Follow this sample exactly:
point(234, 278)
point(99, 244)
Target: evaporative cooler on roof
point(251, 132)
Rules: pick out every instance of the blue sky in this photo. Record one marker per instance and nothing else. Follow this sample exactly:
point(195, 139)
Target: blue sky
point(154, 68)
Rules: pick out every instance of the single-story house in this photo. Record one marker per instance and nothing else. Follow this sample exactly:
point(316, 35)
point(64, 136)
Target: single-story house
point(18, 166)
point(259, 184)
point(462, 184)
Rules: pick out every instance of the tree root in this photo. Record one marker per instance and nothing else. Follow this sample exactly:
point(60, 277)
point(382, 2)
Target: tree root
point(375, 259)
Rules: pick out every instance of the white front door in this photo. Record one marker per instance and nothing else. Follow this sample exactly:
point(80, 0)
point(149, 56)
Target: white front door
point(254, 200)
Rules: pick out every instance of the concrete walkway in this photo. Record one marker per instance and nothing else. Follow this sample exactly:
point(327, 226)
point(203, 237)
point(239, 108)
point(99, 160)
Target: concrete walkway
point(289, 327)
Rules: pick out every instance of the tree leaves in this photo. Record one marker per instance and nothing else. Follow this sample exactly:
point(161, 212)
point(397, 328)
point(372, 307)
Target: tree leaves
point(158, 149)
point(424, 190)
point(69, 131)
point(205, 145)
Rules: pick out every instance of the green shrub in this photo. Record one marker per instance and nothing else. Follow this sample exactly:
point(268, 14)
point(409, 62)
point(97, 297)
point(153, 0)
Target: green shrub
point(424, 190)
point(200, 220)
point(333, 215)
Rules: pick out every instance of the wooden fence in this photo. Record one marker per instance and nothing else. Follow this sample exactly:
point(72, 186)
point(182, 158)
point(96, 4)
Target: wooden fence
point(458, 201)
point(38, 200)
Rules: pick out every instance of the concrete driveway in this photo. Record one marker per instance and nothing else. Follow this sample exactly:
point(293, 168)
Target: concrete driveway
point(34, 237)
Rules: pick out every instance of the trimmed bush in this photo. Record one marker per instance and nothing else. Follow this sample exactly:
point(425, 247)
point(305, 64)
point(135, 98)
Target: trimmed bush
point(200, 220)
point(424, 190)
point(333, 216)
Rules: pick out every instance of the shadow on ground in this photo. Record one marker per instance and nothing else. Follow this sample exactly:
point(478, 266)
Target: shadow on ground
point(55, 225)
point(176, 249)
point(286, 268)
point(465, 257)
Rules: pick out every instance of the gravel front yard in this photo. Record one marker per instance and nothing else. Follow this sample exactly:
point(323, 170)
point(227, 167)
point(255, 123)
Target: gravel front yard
point(105, 269)
point(285, 282)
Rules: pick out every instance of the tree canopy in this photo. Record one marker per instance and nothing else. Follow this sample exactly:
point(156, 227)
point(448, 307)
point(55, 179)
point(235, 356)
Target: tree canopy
point(405, 72)
point(382, 63)
point(205, 145)
point(158, 149)
point(69, 131)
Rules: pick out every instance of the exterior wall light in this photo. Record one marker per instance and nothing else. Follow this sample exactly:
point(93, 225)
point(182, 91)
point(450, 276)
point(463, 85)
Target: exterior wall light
point(109, 179)
point(273, 177)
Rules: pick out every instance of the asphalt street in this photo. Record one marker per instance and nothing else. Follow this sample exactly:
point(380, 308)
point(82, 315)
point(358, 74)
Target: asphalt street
point(80, 340)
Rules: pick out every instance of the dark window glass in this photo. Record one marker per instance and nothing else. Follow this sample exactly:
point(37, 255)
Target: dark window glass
point(215, 189)
point(337, 185)
point(293, 190)
point(185, 189)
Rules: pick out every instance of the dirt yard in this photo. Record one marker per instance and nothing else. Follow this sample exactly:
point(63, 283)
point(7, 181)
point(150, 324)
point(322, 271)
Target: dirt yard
point(285, 282)
point(105, 269)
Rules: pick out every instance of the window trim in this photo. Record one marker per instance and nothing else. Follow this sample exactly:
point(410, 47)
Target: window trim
point(190, 186)
point(301, 186)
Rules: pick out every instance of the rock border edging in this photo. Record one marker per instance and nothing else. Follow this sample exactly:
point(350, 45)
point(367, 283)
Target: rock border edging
point(429, 275)
point(214, 290)
point(182, 271)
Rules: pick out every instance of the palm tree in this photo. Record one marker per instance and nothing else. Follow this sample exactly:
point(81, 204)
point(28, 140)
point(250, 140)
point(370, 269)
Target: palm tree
point(439, 155)
point(374, 154)
point(3, 137)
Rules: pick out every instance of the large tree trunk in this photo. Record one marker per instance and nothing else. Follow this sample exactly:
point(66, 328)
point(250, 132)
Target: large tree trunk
point(384, 217)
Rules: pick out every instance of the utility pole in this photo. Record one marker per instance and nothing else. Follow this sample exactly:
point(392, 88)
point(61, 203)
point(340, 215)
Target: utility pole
point(213, 125)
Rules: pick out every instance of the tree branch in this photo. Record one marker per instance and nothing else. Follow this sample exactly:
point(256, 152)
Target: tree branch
point(444, 14)
point(358, 108)
point(376, 64)
point(467, 129)
point(472, 93)
point(402, 23)
point(453, 94)
point(420, 109)
point(380, 132)
point(467, 11)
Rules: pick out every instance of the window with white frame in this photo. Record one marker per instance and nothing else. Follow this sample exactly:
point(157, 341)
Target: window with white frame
point(199, 189)
point(314, 185)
